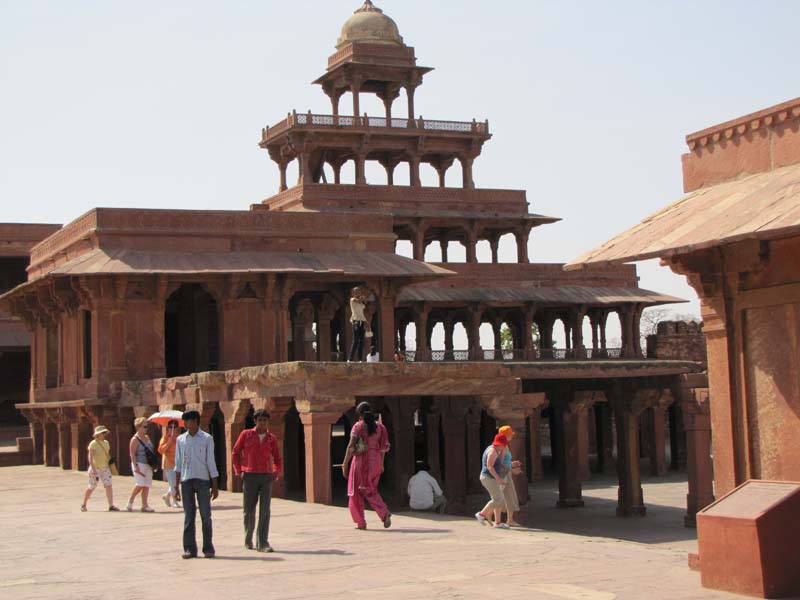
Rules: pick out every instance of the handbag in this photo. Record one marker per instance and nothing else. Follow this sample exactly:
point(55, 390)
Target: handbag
point(361, 445)
point(112, 464)
point(152, 457)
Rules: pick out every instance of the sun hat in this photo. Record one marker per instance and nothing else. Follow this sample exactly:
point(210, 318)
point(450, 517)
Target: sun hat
point(507, 431)
point(500, 440)
point(99, 429)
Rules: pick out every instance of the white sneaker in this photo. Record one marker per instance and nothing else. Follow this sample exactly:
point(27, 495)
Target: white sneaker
point(129, 507)
point(165, 498)
point(176, 505)
point(501, 526)
point(481, 518)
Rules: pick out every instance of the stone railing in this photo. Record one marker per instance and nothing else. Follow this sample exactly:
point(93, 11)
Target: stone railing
point(515, 354)
point(311, 120)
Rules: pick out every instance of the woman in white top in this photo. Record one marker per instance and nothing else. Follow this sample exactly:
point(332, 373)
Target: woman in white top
point(358, 302)
point(142, 471)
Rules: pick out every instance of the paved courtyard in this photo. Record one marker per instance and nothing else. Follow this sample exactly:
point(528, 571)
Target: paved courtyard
point(49, 549)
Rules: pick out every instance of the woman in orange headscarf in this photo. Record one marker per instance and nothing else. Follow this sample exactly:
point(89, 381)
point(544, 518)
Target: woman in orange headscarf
point(513, 467)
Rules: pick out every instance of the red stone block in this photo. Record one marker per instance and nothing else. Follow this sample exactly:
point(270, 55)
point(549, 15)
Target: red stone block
point(748, 540)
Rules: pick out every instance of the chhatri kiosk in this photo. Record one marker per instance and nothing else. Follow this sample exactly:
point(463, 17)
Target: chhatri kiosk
point(135, 310)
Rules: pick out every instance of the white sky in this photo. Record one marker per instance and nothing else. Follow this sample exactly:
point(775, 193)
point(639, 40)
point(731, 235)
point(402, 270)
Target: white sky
point(160, 104)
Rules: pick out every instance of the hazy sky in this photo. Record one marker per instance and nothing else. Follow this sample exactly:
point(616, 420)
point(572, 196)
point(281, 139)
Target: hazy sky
point(160, 104)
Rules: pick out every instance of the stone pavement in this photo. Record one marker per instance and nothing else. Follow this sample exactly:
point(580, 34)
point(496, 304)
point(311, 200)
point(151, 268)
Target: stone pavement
point(49, 549)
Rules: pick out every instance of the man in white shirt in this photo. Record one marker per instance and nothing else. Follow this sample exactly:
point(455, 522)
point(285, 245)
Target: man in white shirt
point(424, 492)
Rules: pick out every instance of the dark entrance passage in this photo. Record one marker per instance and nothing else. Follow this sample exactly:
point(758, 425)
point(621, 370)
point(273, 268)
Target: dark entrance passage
point(191, 331)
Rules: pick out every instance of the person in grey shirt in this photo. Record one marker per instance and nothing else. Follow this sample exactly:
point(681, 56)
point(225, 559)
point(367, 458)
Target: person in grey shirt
point(196, 470)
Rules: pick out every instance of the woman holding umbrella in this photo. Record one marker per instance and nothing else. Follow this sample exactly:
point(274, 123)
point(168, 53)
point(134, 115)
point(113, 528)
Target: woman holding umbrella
point(166, 448)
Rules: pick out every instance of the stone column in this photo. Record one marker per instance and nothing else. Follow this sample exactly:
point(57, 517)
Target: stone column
point(472, 245)
point(498, 344)
point(235, 413)
point(473, 332)
point(697, 424)
point(419, 244)
point(402, 409)
point(627, 409)
point(318, 414)
point(124, 427)
point(466, 169)
point(361, 173)
point(522, 246)
point(421, 323)
point(454, 410)
point(64, 444)
point(81, 434)
point(449, 326)
point(583, 444)
point(432, 420)
point(657, 441)
point(387, 332)
point(577, 332)
point(536, 470)
point(37, 434)
point(410, 89)
point(355, 88)
point(474, 450)
point(494, 242)
point(277, 408)
point(605, 441)
point(282, 166)
point(413, 167)
point(677, 438)
point(527, 332)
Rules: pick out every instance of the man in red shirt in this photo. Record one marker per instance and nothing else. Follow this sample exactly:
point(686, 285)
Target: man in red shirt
point(257, 460)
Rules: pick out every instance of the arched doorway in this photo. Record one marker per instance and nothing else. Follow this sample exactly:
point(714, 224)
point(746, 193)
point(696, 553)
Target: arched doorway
point(191, 331)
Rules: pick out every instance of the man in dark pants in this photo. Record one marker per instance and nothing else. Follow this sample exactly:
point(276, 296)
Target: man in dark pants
point(257, 460)
point(196, 470)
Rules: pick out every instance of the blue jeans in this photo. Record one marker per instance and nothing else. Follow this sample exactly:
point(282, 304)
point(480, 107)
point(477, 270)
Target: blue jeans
point(202, 489)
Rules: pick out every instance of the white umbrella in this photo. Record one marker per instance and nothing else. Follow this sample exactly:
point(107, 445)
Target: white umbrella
point(165, 416)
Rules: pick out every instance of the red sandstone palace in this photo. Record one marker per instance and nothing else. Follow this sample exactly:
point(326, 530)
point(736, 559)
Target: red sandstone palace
point(133, 310)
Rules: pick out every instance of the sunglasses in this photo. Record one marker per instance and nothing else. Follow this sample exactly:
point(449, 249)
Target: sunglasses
point(171, 426)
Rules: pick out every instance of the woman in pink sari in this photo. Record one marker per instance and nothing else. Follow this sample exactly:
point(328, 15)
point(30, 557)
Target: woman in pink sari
point(366, 468)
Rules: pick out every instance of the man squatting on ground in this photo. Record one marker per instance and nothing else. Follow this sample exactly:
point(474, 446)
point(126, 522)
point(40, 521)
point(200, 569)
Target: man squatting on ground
point(257, 460)
point(196, 470)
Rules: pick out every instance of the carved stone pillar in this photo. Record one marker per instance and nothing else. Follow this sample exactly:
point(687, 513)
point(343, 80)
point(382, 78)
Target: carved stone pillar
point(432, 421)
point(472, 245)
point(527, 332)
point(413, 167)
point(454, 410)
point(604, 435)
point(419, 243)
point(423, 352)
point(536, 469)
point(466, 170)
point(627, 409)
point(522, 245)
point(37, 434)
point(402, 409)
point(361, 169)
point(494, 242)
point(318, 416)
point(386, 302)
point(235, 413)
point(474, 450)
point(473, 332)
point(282, 166)
point(81, 434)
point(697, 424)
point(64, 444)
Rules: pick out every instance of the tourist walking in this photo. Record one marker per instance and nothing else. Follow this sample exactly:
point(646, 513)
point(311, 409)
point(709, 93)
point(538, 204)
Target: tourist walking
point(100, 462)
point(363, 465)
point(493, 479)
point(166, 448)
point(424, 491)
point(257, 460)
point(196, 472)
point(512, 467)
point(141, 448)
point(358, 302)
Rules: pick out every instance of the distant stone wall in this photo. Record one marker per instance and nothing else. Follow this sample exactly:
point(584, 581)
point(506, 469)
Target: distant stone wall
point(683, 340)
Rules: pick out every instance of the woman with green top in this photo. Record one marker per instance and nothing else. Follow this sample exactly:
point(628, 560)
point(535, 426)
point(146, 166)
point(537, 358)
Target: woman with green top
point(99, 467)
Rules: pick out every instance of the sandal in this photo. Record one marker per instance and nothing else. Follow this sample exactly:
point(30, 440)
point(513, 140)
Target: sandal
point(83, 508)
point(113, 508)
